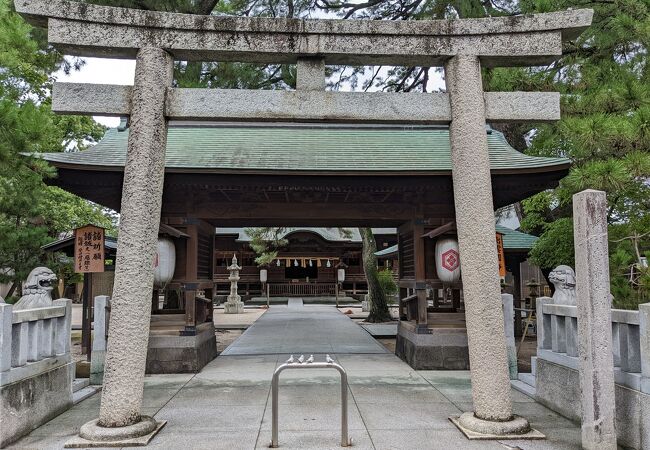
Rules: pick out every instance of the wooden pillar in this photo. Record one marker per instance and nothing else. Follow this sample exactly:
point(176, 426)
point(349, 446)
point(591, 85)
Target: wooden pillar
point(420, 277)
point(190, 310)
point(515, 269)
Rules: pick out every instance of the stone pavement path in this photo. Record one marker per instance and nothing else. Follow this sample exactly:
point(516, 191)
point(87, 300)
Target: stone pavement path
point(227, 406)
point(299, 328)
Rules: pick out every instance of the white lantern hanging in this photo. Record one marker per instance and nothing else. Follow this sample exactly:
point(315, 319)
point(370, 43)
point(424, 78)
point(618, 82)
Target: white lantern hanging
point(165, 263)
point(341, 275)
point(263, 275)
point(447, 260)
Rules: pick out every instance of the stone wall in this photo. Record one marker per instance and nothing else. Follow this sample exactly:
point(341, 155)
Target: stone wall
point(558, 388)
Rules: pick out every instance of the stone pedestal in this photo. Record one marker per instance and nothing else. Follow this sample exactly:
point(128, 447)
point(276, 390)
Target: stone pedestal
point(442, 349)
point(594, 320)
point(182, 354)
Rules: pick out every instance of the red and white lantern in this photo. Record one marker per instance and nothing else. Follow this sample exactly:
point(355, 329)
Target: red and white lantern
point(447, 260)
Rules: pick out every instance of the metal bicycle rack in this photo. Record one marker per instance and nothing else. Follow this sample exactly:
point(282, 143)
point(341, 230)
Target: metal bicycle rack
point(300, 363)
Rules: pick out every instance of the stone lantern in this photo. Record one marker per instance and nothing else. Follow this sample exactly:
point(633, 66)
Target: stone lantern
point(234, 305)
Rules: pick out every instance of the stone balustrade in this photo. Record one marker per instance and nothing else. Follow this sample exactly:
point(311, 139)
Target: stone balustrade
point(557, 336)
point(35, 366)
point(32, 340)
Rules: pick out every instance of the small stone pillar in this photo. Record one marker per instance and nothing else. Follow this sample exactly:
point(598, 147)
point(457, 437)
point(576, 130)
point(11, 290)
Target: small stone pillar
point(594, 320)
point(98, 355)
point(121, 403)
point(478, 254)
point(508, 301)
point(234, 305)
point(310, 74)
point(644, 335)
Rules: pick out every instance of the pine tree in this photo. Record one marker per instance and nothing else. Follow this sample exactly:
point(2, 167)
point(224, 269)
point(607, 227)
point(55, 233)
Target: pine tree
point(29, 210)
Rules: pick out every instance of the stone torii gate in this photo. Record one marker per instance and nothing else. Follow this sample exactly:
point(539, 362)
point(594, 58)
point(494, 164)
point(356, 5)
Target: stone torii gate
point(156, 39)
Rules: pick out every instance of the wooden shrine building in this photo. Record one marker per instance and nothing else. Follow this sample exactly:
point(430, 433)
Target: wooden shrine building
point(223, 175)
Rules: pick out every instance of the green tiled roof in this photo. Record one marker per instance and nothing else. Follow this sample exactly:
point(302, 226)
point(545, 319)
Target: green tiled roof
point(321, 148)
point(512, 240)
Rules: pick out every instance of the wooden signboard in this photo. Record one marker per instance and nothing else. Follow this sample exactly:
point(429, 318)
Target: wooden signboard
point(89, 249)
point(502, 256)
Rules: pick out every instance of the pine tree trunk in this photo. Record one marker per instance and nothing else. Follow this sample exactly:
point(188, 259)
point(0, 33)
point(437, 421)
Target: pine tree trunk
point(376, 298)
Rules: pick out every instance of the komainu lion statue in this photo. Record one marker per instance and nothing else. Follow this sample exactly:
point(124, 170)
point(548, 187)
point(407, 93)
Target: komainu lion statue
point(37, 292)
point(564, 279)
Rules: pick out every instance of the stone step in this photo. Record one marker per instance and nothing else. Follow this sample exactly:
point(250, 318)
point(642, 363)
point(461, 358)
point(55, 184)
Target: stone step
point(533, 365)
point(527, 378)
point(84, 393)
point(80, 383)
point(524, 388)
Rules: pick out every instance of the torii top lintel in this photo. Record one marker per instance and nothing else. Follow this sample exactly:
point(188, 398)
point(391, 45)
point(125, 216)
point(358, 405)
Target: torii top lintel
point(91, 30)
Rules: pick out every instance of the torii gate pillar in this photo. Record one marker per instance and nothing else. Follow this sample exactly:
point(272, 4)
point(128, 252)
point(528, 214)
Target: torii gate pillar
point(478, 253)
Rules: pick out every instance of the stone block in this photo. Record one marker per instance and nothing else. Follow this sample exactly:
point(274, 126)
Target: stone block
point(181, 354)
point(33, 401)
point(441, 350)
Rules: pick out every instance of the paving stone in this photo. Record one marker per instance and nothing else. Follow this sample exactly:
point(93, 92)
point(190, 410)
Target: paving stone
point(312, 417)
point(427, 440)
point(315, 440)
point(314, 329)
point(396, 394)
point(423, 416)
point(202, 396)
point(187, 419)
point(204, 440)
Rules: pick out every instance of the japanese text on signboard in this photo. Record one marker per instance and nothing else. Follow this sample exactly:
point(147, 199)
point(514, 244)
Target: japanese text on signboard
point(89, 249)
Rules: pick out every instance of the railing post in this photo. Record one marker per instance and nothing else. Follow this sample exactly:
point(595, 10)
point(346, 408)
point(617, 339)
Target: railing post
point(644, 335)
point(63, 327)
point(98, 354)
point(544, 335)
point(594, 320)
point(6, 349)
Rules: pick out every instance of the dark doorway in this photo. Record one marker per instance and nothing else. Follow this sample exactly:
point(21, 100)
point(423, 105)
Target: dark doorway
point(298, 272)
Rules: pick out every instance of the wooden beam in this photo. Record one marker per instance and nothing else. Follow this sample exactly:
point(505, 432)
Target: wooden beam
point(449, 226)
point(266, 105)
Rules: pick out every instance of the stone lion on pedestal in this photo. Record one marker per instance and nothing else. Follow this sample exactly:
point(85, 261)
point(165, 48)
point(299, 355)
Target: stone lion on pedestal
point(37, 292)
point(564, 279)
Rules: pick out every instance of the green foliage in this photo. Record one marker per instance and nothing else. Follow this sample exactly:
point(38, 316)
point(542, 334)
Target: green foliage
point(32, 213)
point(605, 131)
point(555, 245)
point(387, 282)
point(265, 242)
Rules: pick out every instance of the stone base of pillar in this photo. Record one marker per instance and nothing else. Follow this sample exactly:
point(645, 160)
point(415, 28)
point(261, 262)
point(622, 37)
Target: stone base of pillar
point(478, 429)
point(233, 307)
point(92, 435)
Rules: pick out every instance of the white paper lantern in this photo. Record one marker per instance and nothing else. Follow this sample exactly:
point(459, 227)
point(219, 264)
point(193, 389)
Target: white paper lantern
point(263, 275)
point(165, 263)
point(341, 275)
point(447, 260)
